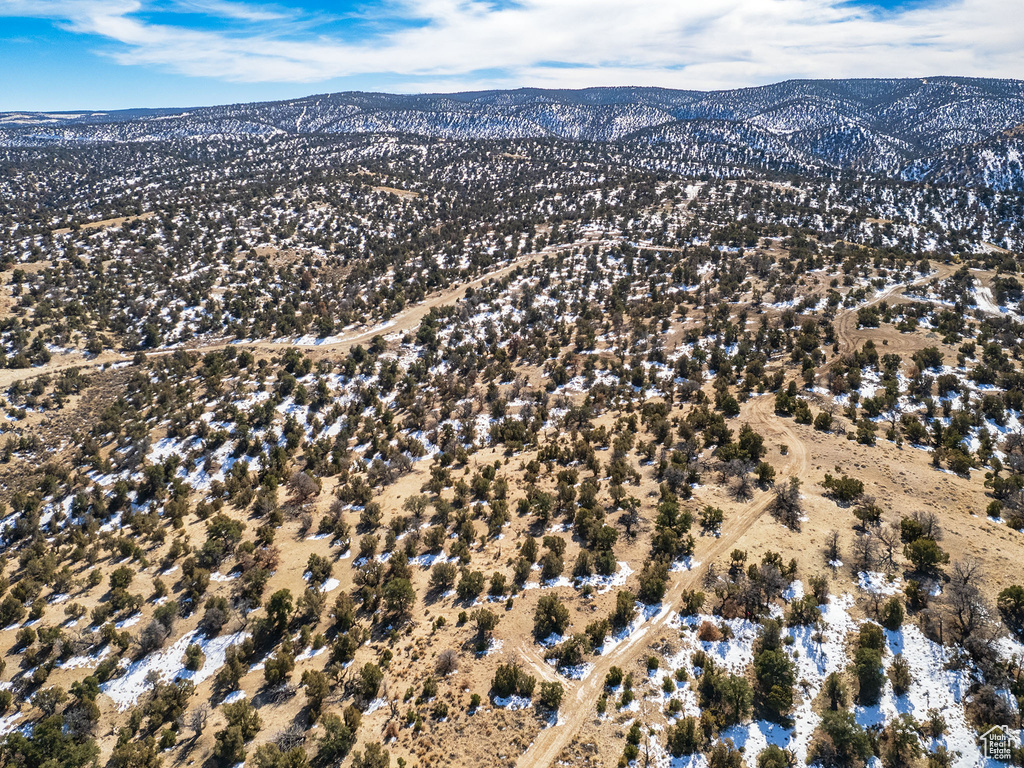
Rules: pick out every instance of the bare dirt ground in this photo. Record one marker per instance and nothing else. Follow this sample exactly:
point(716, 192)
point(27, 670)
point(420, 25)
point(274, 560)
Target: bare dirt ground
point(116, 222)
point(402, 193)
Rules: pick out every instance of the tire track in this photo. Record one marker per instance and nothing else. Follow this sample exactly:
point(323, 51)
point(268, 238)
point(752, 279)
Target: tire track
point(846, 322)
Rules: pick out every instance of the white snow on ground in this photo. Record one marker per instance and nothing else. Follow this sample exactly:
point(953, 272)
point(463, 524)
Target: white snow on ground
point(636, 629)
point(512, 702)
point(684, 692)
point(820, 650)
point(7, 723)
point(168, 446)
point(662, 759)
point(375, 705)
point(934, 687)
point(234, 696)
point(986, 303)
point(873, 581)
point(755, 736)
point(561, 581)
point(86, 660)
point(427, 560)
point(1010, 648)
point(168, 665)
point(604, 583)
point(578, 672)
point(815, 661)
point(310, 653)
point(131, 621)
point(733, 655)
point(684, 564)
point(493, 646)
point(795, 591)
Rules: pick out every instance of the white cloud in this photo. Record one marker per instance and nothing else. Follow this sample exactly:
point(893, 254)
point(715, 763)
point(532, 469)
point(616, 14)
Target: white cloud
point(231, 10)
point(672, 43)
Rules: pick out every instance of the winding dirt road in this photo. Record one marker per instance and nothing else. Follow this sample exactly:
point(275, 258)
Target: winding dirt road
point(846, 322)
point(406, 320)
point(580, 698)
point(760, 413)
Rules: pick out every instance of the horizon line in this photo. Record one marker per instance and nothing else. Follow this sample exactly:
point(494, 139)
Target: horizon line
point(84, 111)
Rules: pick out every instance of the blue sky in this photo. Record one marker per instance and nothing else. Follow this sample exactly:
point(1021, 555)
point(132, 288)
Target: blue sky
point(111, 54)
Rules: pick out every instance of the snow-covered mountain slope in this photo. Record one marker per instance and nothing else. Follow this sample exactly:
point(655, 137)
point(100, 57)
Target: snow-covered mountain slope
point(915, 127)
point(997, 162)
point(854, 146)
point(724, 143)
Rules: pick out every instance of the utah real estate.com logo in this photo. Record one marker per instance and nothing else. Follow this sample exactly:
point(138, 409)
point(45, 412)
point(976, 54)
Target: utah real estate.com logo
point(999, 743)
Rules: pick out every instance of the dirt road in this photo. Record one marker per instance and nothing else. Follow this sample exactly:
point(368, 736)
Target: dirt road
point(846, 322)
point(106, 223)
point(406, 320)
point(578, 705)
point(760, 413)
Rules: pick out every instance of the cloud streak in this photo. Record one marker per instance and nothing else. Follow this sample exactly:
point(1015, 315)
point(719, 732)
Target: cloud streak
point(448, 44)
point(232, 10)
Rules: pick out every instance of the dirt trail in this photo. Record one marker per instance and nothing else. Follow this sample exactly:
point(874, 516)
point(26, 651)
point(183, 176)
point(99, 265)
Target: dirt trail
point(760, 413)
point(107, 222)
point(59, 363)
point(846, 323)
point(536, 663)
point(406, 320)
point(578, 706)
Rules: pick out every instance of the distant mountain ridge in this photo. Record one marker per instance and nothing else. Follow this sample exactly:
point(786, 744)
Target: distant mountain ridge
point(946, 129)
